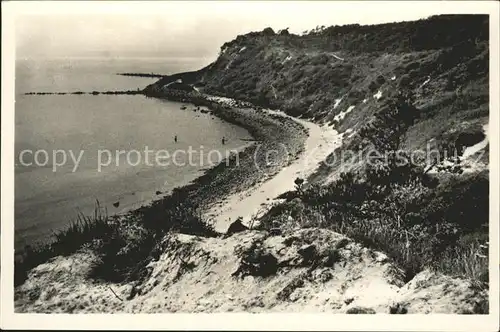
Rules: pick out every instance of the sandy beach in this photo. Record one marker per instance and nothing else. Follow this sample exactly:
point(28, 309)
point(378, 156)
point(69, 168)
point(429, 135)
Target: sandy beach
point(321, 141)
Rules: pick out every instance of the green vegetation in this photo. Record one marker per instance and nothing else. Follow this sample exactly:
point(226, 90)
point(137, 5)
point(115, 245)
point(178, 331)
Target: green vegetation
point(83, 230)
point(152, 75)
point(420, 220)
point(410, 83)
point(125, 244)
point(322, 73)
point(304, 75)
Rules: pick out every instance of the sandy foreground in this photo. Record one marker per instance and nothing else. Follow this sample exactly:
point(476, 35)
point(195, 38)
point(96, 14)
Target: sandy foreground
point(322, 141)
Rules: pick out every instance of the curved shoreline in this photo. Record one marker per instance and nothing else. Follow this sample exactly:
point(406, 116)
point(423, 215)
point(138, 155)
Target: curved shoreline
point(248, 204)
point(270, 132)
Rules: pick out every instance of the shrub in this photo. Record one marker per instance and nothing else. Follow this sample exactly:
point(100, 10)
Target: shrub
point(468, 259)
point(404, 81)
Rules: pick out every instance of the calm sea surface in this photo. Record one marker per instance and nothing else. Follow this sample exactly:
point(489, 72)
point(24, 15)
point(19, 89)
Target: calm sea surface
point(112, 131)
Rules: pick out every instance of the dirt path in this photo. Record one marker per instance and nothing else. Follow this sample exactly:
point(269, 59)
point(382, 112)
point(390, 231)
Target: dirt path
point(321, 142)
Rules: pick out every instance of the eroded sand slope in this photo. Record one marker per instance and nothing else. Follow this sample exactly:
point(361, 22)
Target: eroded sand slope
point(310, 270)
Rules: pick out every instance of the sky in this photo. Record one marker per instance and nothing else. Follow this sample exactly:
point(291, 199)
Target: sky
point(184, 29)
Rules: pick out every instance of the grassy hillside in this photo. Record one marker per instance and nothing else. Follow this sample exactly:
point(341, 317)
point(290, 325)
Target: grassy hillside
point(393, 87)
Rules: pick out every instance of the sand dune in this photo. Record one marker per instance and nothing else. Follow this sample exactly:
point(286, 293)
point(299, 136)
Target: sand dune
point(321, 142)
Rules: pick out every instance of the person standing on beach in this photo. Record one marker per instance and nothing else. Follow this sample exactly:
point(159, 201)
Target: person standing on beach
point(175, 138)
point(223, 140)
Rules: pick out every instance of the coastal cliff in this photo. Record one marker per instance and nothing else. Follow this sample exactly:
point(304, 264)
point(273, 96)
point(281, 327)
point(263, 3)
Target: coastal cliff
point(347, 236)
